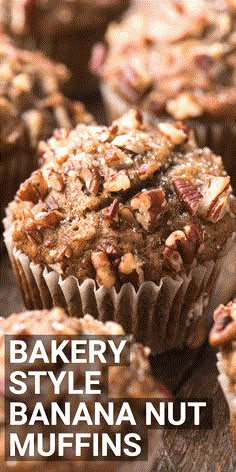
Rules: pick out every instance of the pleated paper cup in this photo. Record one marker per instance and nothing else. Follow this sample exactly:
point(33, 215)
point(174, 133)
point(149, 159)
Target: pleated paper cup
point(176, 312)
point(219, 136)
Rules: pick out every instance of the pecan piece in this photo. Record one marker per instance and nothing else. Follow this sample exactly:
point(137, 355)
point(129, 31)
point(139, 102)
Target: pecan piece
point(181, 247)
point(149, 205)
point(216, 199)
point(92, 179)
point(111, 213)
point(174, 133)
point(48, 220)
point(117, 182)
point(34, 188)
point(117, 159)
point(131, 143)
point(105, 273)
point(51, 203)
point(130, 263)
point(148, 169)
point(188, 194)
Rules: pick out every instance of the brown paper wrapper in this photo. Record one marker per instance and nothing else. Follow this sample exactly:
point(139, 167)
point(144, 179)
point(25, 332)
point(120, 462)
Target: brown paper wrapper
point(230, 395)
point(175, 313)
point(218, 136)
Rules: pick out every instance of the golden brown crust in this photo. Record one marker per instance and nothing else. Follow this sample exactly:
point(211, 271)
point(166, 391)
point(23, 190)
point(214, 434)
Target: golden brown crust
point(174, 58)
point(120, 204)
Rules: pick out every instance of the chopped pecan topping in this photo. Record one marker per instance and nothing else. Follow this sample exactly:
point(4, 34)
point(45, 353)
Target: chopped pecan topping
point(117, 159)
point(125, 141)
point(117, 182)
point(149, 205)
point(175, 134)
point(105, 273)
point(188, 194)
point(34, 188)
point(215, 202)
point(147, 169)
point(130, 263)
point(111, 213)
point(48, 220)
point(56, 181)
point(127, 214)
point(92, 179)
point(51, 203)
point(181, 247)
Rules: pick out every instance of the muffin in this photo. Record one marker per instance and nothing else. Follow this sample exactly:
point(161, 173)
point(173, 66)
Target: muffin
point(131, 381)
point(64, 30)
point(131, 222)
point(223, 335)
point(31, 107)
point(176, 60)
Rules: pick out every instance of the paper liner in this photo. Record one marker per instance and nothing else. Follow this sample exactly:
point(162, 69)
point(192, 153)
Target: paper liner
point(230, 395)
point(175, 313)
point(218, 136)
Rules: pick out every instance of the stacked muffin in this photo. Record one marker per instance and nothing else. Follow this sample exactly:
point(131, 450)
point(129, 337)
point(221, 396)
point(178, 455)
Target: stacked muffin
point(176, 60)
point(64, 30)
point(131, 381)
point(140, 212)
point(31, 107)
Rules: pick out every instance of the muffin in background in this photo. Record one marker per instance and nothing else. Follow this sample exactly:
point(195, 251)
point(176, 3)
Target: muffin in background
point(132, 381)
point(64, 30)
point(223, 335)
point(176, 60)
point(131, 222)
point(31, 107)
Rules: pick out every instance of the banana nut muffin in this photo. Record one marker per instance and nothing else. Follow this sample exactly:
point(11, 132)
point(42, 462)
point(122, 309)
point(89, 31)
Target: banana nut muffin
point(128, 203)
point(176, 60)
point(64, 30)
point(31, 107)
point(130, 381)
point(223, 335)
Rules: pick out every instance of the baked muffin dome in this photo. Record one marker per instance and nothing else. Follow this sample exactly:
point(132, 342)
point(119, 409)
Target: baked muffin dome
point(128, 203)
point(176, 58)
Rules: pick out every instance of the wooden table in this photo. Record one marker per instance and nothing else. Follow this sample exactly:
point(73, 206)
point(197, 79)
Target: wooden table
point(188, 374)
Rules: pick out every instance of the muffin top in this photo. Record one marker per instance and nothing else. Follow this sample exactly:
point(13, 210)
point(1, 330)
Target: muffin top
point(121, 204)
point(22, 17)
point(31, 105)
point(175, 58)
point(223, 334)
point(132, 380)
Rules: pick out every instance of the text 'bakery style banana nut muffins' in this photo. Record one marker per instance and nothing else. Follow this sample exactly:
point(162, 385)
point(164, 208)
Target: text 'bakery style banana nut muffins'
point(223, 335)
point(132, 380)
point(64, 30)
point(132, 222)
point(31, 107)
point(176, 60)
